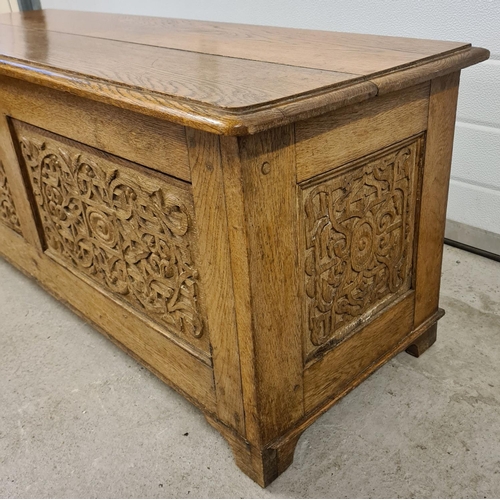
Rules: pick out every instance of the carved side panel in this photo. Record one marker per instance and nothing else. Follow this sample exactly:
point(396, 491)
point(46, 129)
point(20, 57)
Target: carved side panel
point(8, 214)
point(128, 229)
point(358, 242)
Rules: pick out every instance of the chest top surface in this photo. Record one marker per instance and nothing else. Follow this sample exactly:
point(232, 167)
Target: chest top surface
point(225, 78)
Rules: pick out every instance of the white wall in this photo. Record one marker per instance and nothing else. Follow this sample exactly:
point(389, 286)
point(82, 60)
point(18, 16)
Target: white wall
point(8, 6)
point(475, 186)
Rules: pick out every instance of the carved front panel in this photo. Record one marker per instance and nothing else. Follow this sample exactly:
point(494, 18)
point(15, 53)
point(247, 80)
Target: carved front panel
point(358, 240)
point(8, 214)
point(128, 229)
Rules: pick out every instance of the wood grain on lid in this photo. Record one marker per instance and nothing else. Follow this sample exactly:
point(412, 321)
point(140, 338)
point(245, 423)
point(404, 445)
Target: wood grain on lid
point(296, 47)
point(225, 78)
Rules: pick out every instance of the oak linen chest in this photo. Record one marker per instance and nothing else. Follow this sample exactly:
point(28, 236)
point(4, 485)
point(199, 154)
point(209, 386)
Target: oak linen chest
point(254, 213)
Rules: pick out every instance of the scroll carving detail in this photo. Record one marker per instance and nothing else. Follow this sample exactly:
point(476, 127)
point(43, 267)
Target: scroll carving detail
point(130, 232)
point(8, 214)
point(359, 227)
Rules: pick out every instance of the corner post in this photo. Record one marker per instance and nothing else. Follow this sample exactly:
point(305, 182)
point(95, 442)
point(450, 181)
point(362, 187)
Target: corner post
point(434, 195)
point(260, 187)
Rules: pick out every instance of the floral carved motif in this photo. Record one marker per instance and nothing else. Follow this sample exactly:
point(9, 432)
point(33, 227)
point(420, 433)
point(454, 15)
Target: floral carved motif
point(8, 214)
point(130, 231)
point(359, 227)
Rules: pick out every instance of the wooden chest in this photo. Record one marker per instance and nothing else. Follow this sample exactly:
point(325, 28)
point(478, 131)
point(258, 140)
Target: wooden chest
point(256, 214)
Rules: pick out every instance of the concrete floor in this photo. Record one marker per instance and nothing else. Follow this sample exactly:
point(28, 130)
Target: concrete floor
point(78, 418)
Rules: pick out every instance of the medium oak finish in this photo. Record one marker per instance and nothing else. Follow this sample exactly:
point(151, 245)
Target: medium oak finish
point(256, 214)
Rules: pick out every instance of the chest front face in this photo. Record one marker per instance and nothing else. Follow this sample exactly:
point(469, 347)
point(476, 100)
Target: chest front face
point(103, 199)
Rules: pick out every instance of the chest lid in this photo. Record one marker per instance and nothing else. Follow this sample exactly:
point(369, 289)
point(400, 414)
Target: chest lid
point(225, 78)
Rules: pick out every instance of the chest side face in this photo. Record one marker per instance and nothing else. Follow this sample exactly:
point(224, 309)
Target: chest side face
point(359, 173)
point(357, 241)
